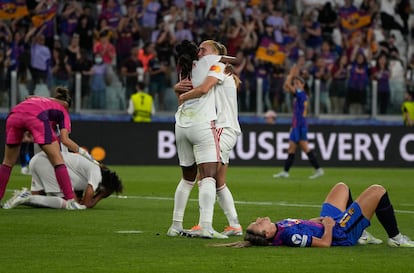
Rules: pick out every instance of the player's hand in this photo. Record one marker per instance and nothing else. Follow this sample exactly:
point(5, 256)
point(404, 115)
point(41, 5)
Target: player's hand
point(85, 154)
point(328, 221)
point(185, 84)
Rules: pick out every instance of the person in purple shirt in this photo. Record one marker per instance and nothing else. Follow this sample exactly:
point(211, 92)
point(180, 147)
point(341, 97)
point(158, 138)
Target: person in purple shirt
point(358, 84)
point(342, 221)
point(97, 83)
point(312, 34)
point(68, 20)
point(111, 11)
point(149, 18)
point(381, 73)
point(40, 55)
point(299, 130)
point(40, 117)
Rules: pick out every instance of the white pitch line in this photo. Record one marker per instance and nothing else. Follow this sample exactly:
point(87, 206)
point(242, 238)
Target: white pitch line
point(281, 204)
point(129, 231)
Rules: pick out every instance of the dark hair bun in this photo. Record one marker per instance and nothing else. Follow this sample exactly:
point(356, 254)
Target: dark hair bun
point(187, 53)
point(62, 93)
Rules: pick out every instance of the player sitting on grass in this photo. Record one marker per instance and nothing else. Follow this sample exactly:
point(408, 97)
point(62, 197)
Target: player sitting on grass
point(341, 223)
point(95, 182)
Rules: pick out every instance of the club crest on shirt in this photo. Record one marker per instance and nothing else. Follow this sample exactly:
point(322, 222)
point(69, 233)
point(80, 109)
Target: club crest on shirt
point(215, 68)
point(296, 239)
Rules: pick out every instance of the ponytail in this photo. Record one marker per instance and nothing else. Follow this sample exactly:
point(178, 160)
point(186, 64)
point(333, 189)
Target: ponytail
point(63, 94)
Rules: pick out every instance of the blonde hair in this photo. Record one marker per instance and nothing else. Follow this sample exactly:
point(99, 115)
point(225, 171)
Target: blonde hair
point(215, 45)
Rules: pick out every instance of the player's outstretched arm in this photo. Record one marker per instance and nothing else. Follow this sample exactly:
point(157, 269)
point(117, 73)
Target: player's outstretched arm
point(288, 85)
point(229, 60)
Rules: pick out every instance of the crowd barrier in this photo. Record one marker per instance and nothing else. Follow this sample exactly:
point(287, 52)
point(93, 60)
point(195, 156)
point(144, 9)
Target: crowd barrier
point(170, 100)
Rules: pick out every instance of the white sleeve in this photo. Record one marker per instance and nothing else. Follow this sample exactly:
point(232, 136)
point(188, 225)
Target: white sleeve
point(217, 70)
point(82, 172)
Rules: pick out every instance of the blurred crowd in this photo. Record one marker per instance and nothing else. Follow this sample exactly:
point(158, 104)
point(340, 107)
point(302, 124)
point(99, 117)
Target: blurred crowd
point(344, 49)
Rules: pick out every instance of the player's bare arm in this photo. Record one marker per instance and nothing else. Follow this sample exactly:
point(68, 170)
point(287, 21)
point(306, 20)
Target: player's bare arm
point(229, 60)
point(65, 139)
point(288, 85)
point(183, 86)
point(199, 90)
point(316, 219)
point(326, 240)
point(90, 198)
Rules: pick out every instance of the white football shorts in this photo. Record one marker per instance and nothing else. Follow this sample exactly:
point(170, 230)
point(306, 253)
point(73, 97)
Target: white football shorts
point(197, 144)
point(227, 140)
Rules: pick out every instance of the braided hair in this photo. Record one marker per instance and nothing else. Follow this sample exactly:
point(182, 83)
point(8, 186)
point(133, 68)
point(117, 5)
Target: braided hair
point(110, 181)
point(186, 53)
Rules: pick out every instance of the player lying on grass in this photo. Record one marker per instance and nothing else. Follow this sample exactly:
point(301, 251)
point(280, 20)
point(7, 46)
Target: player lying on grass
point(341, 223)
point(95, 182)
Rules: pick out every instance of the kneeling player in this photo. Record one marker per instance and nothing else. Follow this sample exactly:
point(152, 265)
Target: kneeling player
point(93, 182)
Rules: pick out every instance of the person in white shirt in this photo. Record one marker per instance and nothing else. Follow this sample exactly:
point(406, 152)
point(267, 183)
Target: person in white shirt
point(227, 128)
point(93, 181)
point(196, 137)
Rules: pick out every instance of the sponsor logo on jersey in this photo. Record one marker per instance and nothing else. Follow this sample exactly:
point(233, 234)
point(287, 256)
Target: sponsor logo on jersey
point(215, 68)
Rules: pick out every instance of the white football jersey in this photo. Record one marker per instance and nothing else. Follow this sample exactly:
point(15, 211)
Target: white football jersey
point(82, 172)
point(201, 109)
point(226, 103)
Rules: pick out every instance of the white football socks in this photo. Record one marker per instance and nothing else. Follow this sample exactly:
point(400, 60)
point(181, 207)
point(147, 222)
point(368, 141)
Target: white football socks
point(226, 202)
point(53, 202)
point(182, 193)
point(206, 200)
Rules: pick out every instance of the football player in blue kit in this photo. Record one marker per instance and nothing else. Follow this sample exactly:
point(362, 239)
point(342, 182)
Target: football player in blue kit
point(299, 129)
point(342, 221)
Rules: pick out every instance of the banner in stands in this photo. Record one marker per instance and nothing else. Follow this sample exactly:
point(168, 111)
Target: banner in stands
point(259, 145)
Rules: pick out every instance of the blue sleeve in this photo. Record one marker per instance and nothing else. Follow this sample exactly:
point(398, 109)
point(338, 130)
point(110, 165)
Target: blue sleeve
point(295, 237)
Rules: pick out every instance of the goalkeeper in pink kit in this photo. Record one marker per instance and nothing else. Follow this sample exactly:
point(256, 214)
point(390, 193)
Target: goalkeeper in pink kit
point(40, 116)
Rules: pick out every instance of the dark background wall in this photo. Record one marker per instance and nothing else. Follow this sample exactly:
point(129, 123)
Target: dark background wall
point(128, 143)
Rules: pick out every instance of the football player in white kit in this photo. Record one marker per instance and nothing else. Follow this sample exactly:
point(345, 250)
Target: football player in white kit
point(196, 139)
point(228, 129)
point(226, 119)
point(94, 181)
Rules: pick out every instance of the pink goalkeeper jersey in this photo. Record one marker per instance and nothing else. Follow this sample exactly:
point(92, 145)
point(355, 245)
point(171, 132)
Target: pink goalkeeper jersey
point(38, 115)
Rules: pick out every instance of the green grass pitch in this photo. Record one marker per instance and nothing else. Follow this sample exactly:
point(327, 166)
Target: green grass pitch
point(97, 240)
